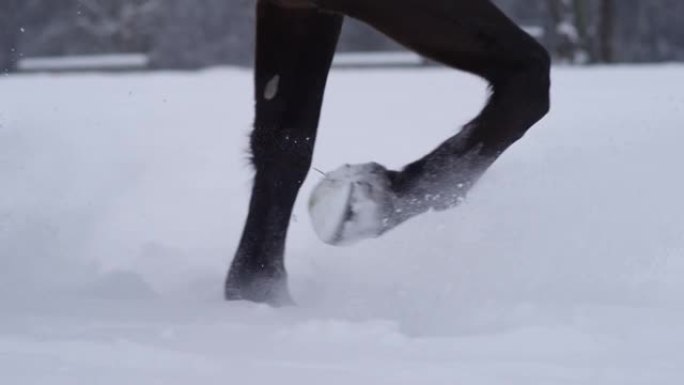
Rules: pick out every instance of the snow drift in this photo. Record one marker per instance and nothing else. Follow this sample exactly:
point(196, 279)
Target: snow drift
point(123, 196)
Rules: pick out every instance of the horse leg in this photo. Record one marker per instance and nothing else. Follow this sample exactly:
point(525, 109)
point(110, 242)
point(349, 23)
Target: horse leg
point(470, 35)
point(294, 51)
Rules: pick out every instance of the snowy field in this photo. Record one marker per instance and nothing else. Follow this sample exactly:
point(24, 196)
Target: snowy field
point(122, 199)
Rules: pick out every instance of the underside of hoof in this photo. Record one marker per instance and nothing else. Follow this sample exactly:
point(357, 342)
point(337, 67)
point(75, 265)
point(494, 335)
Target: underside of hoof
point(352, 203)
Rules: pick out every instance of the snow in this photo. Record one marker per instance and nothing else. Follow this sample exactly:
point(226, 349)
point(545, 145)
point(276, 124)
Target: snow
point(123, 198)
point(87, 62)
point(377, 59)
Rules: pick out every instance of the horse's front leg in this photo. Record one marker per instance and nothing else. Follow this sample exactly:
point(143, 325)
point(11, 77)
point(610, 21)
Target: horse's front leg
point(294, 51)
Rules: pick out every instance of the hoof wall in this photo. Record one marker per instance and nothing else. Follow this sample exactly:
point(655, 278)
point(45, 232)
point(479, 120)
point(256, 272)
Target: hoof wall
point(352, 203)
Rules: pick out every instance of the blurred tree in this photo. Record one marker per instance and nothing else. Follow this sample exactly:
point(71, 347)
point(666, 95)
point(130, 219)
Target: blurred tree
point(647, 31)
point(582, 31)
point(606, 31)
point(10, 29)
point(123, 24)
point(567, 32)
point(357, 36)
point(199, 33)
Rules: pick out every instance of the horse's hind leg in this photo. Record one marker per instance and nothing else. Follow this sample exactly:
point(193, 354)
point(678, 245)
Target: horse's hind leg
point(474, 36)
point(294, 50)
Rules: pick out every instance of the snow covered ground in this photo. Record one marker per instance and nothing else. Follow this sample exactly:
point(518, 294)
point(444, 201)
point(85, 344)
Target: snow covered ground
point(122, 198)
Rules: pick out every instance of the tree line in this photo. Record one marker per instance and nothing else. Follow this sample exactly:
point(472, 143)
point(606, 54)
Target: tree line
point(199, 33)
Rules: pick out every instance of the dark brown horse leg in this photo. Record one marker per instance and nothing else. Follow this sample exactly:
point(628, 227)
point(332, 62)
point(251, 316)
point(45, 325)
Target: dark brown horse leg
point(295, 47)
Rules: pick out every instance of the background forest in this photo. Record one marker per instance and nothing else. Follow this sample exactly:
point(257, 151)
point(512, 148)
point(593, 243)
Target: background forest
point(200, 33)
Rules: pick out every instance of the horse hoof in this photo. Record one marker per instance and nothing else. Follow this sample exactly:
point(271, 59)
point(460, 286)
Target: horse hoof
point(351, 204)
point(267, 290)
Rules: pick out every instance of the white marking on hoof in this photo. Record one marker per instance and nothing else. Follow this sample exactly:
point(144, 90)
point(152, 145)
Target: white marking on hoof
point(352, 203)
point(271, 89)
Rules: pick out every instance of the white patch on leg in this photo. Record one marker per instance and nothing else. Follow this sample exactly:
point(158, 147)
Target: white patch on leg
point(271, 89)
point(350, 204)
